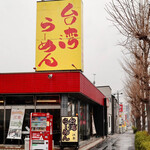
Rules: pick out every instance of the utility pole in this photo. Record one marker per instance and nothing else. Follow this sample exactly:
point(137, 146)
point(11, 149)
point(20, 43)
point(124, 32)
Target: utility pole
point(94, 79)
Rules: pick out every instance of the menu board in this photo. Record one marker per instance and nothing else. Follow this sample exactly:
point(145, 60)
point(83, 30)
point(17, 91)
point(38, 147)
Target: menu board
point(69, 132)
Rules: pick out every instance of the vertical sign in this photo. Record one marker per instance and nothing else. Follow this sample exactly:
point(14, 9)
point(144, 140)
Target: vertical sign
point(16, 121)
point(69, 130)
point(58, 35)
point(121, 108)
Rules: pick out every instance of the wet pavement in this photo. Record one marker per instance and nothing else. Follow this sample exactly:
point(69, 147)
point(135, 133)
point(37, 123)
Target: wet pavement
point(123, 141)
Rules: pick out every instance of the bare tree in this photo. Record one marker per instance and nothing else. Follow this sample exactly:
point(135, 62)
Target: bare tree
point(134, 100)
point(135, 69)
point(131, 18)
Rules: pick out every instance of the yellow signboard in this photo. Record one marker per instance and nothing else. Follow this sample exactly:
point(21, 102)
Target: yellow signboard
point(58, 35)
point(69, 130)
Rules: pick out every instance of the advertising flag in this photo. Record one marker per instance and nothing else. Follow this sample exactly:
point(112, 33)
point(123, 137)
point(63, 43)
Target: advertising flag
point(16, 121)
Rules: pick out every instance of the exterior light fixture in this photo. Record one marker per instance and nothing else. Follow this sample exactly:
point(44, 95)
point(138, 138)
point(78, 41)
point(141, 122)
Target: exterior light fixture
point(47, 101)
point(94, 79)
point(74, 66)
point(50, 76)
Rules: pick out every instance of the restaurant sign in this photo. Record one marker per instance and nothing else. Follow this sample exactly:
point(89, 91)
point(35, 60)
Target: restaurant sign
point(58, 35)
point(69, 129)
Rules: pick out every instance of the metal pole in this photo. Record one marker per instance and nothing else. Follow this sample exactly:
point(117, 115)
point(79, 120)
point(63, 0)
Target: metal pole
point(118, 96)
point(34, 100)
point(94, 79)
point(79, 117)
point(4, 119)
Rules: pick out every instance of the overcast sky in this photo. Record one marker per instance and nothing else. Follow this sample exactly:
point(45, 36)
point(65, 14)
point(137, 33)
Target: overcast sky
point(101, 52)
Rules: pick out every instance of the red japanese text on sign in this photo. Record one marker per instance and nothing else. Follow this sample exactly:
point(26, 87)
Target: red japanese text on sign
point(69, 18)
point(48, 46)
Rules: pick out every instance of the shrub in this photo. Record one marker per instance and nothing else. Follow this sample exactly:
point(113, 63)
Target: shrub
point(145, 145)
point(142, 140)
point(134, 129)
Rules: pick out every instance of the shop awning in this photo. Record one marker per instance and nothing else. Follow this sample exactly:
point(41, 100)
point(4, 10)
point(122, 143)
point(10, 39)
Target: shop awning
point(49, 82)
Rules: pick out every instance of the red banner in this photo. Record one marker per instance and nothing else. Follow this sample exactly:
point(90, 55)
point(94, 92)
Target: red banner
point(121, 108)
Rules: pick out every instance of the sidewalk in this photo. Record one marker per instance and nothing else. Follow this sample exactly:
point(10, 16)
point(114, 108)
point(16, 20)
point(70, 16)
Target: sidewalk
point(11, 147)
point(106, 143)
point(84, 145)
point(123, 141)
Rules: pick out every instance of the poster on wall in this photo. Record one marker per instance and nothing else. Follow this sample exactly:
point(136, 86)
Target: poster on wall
point(59, 35)
point(69, 129)
point(16, 122)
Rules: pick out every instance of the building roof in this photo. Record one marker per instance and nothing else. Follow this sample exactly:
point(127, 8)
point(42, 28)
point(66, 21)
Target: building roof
point(105, 86)
point(57, 82)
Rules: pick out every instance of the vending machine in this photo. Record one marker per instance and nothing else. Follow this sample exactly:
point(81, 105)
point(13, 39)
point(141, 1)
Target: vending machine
point(41, 131)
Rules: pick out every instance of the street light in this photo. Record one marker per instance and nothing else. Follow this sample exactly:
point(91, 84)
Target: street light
point(94, 79)
point(118, 93)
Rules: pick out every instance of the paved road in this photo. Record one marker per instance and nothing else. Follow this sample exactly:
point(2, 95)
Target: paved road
point(123, 141)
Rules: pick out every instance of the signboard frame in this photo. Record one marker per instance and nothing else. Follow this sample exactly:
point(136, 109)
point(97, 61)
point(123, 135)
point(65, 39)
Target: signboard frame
point(59, 44)
point(70, 143)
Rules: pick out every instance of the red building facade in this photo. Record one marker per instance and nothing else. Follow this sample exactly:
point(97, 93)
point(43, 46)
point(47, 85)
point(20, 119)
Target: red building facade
point(59, 93)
